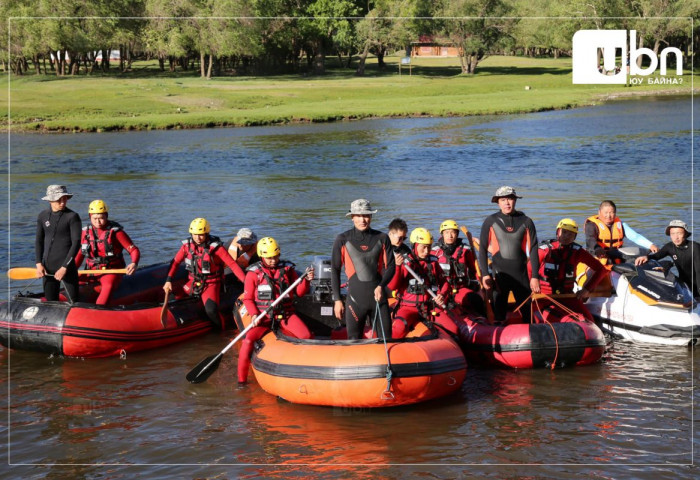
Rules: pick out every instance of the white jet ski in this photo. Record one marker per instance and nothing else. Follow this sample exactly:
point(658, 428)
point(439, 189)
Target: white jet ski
point(648, 304)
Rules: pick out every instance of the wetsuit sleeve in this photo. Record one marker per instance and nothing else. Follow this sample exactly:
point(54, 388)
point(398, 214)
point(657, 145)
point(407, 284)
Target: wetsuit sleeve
point(39, 239)
point(663, 252)
point(390, 263)
point(336, 265)
point(225, 258)
point(636, 237)
point(397, 281)
point(175, 262)
point(128, 245)
point(443, 284)
point(303, 287)
point(483, 247)
point(591, 231)
point(534, 257)
point(79, 257)
point(696, 266)
point(76, 231)
point(249, 286)
point(590, 261)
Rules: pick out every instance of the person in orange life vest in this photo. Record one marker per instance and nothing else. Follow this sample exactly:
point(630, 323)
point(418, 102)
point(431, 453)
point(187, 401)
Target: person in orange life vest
point(102, 246)
point(264, 282)
point(511, 238)
point(243, 248)
point(457, 260)
point(204, 258)
point(558, 261)
point(605, 234)
point(414, 300)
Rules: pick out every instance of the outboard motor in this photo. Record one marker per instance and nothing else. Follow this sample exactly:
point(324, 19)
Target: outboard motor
point(321, 284)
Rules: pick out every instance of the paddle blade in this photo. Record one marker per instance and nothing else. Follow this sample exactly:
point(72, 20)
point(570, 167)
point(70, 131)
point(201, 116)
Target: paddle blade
point(22, 273)
point(204, 369)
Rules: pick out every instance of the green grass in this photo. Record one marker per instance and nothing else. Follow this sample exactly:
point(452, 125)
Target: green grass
point(149, 99)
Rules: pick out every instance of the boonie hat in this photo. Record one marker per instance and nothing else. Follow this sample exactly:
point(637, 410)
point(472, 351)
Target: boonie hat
point(55, 192)
point(246, 236)
point(677, 224)
point(504, 191)
point(360, 207)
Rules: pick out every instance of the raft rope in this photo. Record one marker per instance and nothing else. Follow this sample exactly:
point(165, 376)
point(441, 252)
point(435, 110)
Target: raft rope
point(386, 395)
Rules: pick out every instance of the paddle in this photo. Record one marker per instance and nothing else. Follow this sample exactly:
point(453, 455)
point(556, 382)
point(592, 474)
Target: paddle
point(206, 367)
point(164, 310)
point(484, 294)
point(28, 273)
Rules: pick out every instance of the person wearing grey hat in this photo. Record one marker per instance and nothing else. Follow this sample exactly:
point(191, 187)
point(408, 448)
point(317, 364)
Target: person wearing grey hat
point(511, 239)
point(243, 248)
point(366, 255)
point(56, 244)
point(684, 253)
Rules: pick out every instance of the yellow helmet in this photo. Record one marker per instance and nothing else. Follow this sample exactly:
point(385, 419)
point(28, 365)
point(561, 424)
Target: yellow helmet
point(268, 248)
point(199, 226)
point(448, 225)
point(568, 224)
point(97, 206)
point(421, 235)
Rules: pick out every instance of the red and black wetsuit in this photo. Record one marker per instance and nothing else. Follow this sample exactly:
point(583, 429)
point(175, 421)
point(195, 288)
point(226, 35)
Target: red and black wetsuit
point(687, 261)
point(56, 244)
point(510, 239)
point(414, 300)
point(263, 285)
point(104, 248)
point(458, 263)
point(205, 264)
point(558, 273)
point(369, 261)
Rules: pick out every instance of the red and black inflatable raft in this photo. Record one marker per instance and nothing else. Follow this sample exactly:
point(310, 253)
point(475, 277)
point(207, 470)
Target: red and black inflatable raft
point(132, 321)
point(555, 338)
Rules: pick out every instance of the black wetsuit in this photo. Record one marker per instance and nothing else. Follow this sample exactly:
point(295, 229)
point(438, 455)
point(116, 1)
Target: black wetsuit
point(369, 261)
point(56, 244)
point(509, 238)
point(687, 261)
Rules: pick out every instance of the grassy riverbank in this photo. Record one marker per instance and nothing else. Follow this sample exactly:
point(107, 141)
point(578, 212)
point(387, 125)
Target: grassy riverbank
point(150, 99)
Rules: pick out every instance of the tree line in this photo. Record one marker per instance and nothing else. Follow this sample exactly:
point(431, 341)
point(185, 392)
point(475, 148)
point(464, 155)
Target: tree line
point(234, 37)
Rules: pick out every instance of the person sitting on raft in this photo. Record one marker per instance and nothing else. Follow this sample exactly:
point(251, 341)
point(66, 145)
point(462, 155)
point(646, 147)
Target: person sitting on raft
point(458, 262)
point(414, 301)
point(264, 282)
point(204, 258)
point(684, 253)
point(243, 248)
point(102, 245)
point(558, 261)
point(605, 234)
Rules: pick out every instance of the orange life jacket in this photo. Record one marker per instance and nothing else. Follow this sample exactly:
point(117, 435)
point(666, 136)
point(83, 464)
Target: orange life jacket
point(608, 237)
point(244, 258)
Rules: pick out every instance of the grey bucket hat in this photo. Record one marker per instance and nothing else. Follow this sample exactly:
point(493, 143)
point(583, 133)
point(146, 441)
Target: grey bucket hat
point(504, 191)
point(678, 224)
point(55, 192)
point(360, 207)
point(246, 236)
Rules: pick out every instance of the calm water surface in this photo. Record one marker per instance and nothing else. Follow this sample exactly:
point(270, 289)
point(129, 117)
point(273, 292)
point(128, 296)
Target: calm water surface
point(630, 416)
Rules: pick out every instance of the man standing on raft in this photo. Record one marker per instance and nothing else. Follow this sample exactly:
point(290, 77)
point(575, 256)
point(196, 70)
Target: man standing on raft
point(510, 237)
point(369, 265)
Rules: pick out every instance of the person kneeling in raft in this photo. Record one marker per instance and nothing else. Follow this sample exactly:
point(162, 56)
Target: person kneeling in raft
point(264, 282)
point(204, 258)
point(415, 302)
point(102, 245)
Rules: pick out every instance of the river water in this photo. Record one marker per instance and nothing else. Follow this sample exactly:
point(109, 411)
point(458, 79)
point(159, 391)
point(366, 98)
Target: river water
point(630, 416)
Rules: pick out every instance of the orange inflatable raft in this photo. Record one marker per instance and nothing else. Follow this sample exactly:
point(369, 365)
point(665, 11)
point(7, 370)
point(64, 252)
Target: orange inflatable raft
point(359, 373)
